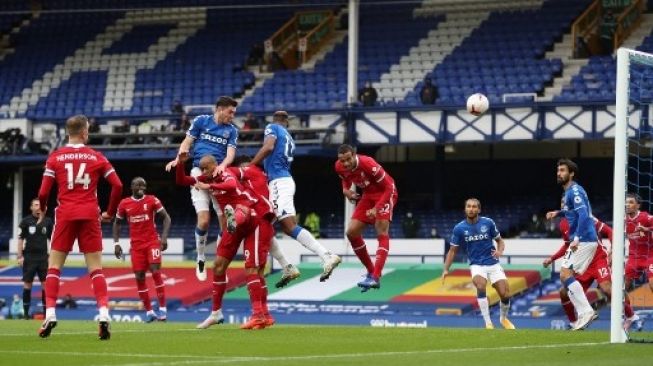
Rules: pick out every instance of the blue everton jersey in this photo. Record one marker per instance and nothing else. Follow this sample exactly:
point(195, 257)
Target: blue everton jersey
point(578, 212)
point(478, 239)
point(277, 164)
point(211, 138)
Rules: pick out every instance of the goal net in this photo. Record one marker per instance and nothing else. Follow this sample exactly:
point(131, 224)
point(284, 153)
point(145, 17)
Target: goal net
point(632, 247)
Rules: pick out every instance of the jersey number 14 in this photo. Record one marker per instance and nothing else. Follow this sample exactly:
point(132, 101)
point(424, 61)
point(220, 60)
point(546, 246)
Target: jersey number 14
point(82, 178)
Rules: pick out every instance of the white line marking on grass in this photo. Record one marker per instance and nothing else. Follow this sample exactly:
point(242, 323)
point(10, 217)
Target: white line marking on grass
point(55, 333)
point(222, 360)
point(112, 354)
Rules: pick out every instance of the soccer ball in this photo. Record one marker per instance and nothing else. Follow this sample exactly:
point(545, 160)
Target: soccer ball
point(477, 104)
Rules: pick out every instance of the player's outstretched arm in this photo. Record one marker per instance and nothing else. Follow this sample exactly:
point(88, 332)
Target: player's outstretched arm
point(184, 148)
point(181, 178)
point(265, 150)
point(166, 228)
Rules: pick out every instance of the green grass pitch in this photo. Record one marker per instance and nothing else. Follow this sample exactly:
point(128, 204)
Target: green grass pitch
point(136, 344)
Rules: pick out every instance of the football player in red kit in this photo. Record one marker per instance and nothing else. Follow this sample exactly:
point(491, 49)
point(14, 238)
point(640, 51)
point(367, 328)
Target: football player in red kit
point(146, 247)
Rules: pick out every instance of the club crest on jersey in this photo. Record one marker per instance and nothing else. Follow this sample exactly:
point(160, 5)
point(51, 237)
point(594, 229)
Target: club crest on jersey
point(145, 206)
point(32, 230)
point(483, 228)
point(225, 134)
point(466, 232)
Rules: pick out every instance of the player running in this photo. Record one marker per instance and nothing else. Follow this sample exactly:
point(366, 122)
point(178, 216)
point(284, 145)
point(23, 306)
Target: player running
point(77, 169)
point(374, 207)
point(146, 248)
point(478, 233)
point(277, 154)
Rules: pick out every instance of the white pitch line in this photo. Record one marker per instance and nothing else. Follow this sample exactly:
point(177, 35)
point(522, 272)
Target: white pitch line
point(221, 360)
point(55, 333)
point(112, 354)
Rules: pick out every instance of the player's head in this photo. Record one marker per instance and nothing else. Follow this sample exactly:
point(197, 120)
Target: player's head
point(225, 109)
point(347, 156)
point(138, 187)
point(241, 161)
point(632, 203)
point(567, 171)
point(280, 118)
point(472, 208)
point(77, 128)
point(35, 206)
point(207, 165)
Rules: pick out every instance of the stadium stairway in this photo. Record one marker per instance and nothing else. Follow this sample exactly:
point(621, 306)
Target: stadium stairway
point(597, 79)
point(430, 51)
point(563, 50)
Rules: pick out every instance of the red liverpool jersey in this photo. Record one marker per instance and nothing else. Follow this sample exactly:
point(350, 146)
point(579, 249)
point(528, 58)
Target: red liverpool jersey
point(77, 170)
point(140, 214)
point(640, 240)
point(368, 175)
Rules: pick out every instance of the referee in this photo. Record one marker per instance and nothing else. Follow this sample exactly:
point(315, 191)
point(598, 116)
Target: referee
point(33, 252)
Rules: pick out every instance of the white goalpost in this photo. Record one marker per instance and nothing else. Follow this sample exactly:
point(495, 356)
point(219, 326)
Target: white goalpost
point(634, 91)
point(617, 334)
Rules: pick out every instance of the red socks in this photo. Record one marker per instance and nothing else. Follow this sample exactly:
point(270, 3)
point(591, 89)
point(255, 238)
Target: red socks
point(99, 288)
point(144, 294)
point(358, 244)
point(255, 293)
point(219, 287)
point(160, 288)
point(381, 255)
point(264, 295)
point(52, 287)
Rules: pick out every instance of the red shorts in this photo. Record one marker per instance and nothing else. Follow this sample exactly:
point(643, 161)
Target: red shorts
point(142, 257)
point(598, 270)
point(87, 233)
point(257, 245)
point(635, 266)
point(257, 235)
point(385, 213)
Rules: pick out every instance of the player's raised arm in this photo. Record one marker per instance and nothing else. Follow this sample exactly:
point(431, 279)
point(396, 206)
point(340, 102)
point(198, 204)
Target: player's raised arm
point(267, 148)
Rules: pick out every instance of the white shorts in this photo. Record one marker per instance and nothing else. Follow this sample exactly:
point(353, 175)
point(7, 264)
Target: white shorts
point(579, 260)
point(201, 197)
point(491, 273)
point(282, 196)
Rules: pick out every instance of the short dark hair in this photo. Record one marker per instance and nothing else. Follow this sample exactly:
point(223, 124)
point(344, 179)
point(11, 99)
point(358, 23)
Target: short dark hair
point(474, 199)
point(634, 196)
point(573, 167)
point(345, 148)
point(240, 159)
point(226, 101)
point(76, 124)
point(280, 116)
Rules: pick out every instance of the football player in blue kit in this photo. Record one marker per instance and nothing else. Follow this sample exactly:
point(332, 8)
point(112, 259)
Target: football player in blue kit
point(209, 135)
point(478, 234)
point(277, 154)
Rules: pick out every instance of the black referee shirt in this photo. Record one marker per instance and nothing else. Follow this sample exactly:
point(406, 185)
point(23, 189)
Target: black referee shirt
point(36, 237)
